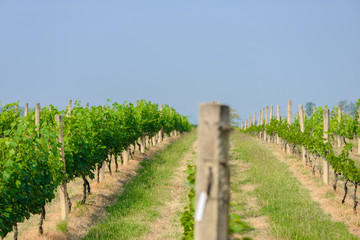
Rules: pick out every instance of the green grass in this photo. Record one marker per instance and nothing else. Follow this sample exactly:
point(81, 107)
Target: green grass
point(136, 207)
point(62, 226)
point(287, 204)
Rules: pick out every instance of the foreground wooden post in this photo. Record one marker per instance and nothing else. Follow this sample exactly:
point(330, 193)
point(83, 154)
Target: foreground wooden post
point(289, 117)
point(212, 174)
point(277, 118)
point(62, 189)
point(326, 138)
point(302, 129)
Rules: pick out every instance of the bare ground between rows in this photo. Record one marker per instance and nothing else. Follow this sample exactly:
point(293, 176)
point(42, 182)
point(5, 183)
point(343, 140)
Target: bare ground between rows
point(249, 204)
point(326, 196)
point(85, 216)
point(168, 225)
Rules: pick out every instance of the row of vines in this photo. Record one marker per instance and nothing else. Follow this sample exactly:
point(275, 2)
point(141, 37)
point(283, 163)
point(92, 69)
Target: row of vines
point(310, 139)
point(31, 166)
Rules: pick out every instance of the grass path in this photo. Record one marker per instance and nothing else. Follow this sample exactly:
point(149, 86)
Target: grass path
point(287, 205)
point(168, 225)
point(138, 207)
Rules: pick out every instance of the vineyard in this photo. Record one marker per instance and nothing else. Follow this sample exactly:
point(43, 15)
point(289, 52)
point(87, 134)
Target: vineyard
point(324, 140)
point(42, 149)
point(222, 182)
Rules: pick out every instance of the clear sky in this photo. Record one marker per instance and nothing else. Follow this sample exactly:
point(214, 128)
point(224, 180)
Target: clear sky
point(248, 54)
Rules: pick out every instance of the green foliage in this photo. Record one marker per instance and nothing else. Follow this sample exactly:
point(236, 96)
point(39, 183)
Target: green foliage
point(62, 226)
point(187, 219)
point(313, 137)
point(30, 162)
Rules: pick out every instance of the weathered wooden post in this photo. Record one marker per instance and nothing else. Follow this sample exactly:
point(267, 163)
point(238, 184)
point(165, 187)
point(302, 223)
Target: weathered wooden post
point(289, 117)
point(254, 118)
point(339, 120)
point(271, 113)
point(69, 108)
point(277, 118)
point(266, 122)
point(26, 111)
point(62, 189)
point(103, 164)
point(262, 122)
point(125, 155)
point(302, 129)
point(37, 124)
point(37, 116)
point(212, 173)
point(259, 118)
point(161, 130)
point(326, 138)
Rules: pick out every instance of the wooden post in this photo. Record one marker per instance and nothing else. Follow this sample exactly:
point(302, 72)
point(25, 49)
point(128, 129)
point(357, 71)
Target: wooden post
point(289, 117)
point(26, 112)
point(262, 116)
point(212, 174)
point(254, 118)
point(69, 108)
point(266, 122)
point(142, 144)
point(302, 129)
point(103, 165)
point(37, 115)
point(326, 138)
point(339, 120)
point(271, 113)
point(126, 158)
point(161, 130)
point(62, 189)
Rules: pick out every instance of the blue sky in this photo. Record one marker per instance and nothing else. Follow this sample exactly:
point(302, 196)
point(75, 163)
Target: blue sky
point(247, 54)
